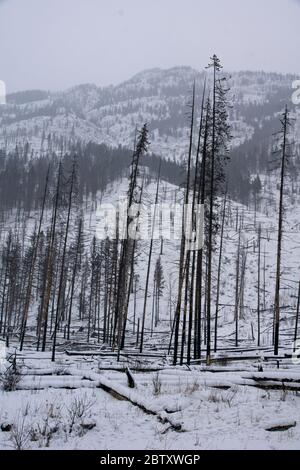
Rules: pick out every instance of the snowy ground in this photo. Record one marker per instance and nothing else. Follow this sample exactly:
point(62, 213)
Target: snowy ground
point(216, 408)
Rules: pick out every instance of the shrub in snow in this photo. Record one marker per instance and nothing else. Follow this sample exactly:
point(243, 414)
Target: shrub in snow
point(79, 410)
point(230, 396)
point(19, 434)
point(156, 381)
point(53, 410)
point(43, 432)
point(191, 387)
point(61, 369)
point(221, 397)
point(10, 374)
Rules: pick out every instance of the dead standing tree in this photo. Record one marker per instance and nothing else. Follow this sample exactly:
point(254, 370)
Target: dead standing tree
point(202, 196)
point(141, 147)
point(285, 123)
point(149, 262)
point(183, 264)
point(219, 273)
point(63, 262)
point(220, 136)
point(297, 320)
point(32, 266)
point(48, 279)
point(258, 286)
point(193, 313)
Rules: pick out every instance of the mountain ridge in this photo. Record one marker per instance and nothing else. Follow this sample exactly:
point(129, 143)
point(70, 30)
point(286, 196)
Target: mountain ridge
point(109, 115)
point(143, 72)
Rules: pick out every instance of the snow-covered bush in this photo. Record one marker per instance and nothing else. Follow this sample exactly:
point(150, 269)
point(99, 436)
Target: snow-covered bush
point(10, 374)
point(19, 434)
point(191, 387)
point(43, 432)
point(156, 381)
point(78, 410)
point(61, 368)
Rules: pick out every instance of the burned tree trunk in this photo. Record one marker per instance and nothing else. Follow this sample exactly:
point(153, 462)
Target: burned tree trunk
point(219, 274)
point(258, 286)
point(285, 124)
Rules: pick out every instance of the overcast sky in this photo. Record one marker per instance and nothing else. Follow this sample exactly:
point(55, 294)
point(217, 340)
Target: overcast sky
point(54, 44)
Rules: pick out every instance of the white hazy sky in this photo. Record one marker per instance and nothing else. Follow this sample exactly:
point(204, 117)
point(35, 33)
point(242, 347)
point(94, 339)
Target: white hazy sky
point(54, 44)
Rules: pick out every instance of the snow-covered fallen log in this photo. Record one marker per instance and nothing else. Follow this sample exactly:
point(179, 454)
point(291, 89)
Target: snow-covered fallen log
point(283, 425)
point(41, 383)
point(273, 380)
point(43, 372)
point(84, 379)
point(276, 376)
point(134, 397)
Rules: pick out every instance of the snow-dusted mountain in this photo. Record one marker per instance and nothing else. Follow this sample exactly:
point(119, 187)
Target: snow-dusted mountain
point(160, 97)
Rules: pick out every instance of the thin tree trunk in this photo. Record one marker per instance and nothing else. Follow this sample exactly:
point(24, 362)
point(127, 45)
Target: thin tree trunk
point(258, 286)
point(149, 266)
point(219, 274)
point(192, 310)
point(184, 257)
point(60, 288)
point(297, 320)
point(210, 229)
point(49, 263)
point(279, 241)
point(237, 284)
point(32, 266)
point(74, 277)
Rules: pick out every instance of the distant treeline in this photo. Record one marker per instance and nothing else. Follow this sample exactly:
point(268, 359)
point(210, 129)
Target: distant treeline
point(22, 180)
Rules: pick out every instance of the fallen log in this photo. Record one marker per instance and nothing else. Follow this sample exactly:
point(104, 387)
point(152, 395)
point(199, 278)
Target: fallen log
point(133, 397)
point(123, 354)
point(133, 368)
point(274, 376)
point(83, 379)
point(289, 381)
point(269, 385)
point(44, 384)
point(283, 426)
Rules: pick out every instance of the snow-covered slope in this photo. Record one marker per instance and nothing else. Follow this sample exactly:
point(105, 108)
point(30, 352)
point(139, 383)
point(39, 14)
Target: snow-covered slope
point(249, 219)
point(160, 97)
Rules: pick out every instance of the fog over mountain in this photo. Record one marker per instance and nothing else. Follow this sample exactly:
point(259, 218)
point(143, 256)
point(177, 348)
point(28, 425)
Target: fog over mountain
point(59, 43)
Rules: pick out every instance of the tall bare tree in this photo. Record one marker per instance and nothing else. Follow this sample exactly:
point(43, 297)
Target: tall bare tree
point(285, 123)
